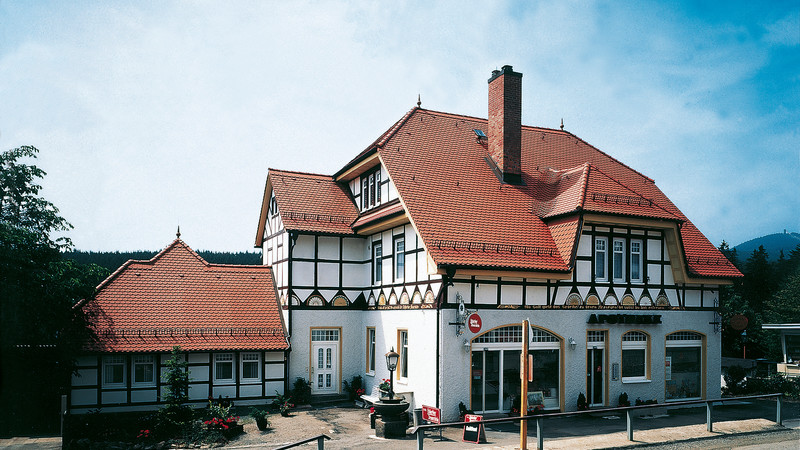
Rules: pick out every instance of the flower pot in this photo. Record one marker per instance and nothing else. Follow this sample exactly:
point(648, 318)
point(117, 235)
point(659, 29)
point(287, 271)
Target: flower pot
point(262, 423)
point(285, 413)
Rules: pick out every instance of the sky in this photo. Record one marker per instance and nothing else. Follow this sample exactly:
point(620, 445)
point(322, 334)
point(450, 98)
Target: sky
point(154, 115)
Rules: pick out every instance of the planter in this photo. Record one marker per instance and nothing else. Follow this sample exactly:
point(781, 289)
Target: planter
point(285, 413)
point(262, 423)
point(390, 408)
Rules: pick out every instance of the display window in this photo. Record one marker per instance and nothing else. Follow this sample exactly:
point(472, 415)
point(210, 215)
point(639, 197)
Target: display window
point(495, 371)
point(683, 366)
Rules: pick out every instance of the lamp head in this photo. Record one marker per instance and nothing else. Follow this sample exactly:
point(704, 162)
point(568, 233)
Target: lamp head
point(391, 360)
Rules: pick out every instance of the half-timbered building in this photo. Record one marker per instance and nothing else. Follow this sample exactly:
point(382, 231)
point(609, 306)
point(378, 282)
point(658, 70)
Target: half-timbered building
point(225, 319)
point(440, 237)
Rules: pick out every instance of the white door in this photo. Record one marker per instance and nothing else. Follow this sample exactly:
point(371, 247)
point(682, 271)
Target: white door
point(325, 368)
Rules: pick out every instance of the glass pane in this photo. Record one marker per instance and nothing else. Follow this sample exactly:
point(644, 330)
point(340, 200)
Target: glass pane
point(511, 380)
point(113, 373)
point(327, 358)
point(792, 348)
point(250, 369)
point(477, 381)
point(600, 262)
point(143, 373)
point(224, 371)
point(492, 380)
point(327, 380)
point(320, 359)
point(635, 267)
point(594, 358)
point(319, 381)
point(546, 376)
point(685, 379)
point(633, 364)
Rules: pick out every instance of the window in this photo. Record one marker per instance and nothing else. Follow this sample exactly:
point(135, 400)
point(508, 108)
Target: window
point(251, 362)
point(402, 348)
point(144, 369)
point(683, 366)
point(223, 367)
point(371, 189)
point(113, 370)
point(371, 350)
point(636, 260)
point(600, 250)
point(619, 260)
point(273, 205)
point(634, 356)
point(377, 262)
point(399, 257)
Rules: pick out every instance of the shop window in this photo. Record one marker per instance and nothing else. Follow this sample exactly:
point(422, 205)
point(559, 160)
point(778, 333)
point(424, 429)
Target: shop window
point(635, 356)
point(251, 364)
point(636, 261)
point(402, 346)
point(144, 369)
point(399, 257)
point(683, 366)
point(600, 259)
point(223, 367)
point(495, 373)
point(113, 370)
point(371, 350)
point(377, 262)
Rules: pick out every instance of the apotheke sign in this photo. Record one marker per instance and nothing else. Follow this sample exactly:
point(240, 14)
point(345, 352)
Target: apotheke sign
point(638, 319)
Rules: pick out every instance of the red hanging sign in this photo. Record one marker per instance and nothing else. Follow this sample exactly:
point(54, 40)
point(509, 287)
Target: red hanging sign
point(474, 322)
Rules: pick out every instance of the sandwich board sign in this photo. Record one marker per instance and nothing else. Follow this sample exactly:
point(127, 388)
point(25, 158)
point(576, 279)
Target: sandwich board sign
point(474, 432)
point(431, 414)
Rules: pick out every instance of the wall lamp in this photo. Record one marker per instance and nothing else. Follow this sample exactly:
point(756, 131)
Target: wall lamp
point(572, 343)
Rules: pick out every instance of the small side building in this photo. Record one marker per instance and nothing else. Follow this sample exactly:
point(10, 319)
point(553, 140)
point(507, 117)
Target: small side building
point(790, 344)
point(225, 318)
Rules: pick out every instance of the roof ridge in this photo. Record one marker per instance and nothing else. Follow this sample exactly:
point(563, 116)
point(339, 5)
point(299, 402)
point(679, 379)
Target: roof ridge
point(612, 158)
point(296, 172)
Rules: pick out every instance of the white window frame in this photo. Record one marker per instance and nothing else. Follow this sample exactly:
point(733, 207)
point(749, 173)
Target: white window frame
point(618, 254)
point(371, 360)
point(397, 255)
point(143, 360)
point(223, 358)
point(638, 254)
point(248, 357)
point(402, 361)
point(637, 344)
point(601, 261)
point(114, 361)
point(377, 262)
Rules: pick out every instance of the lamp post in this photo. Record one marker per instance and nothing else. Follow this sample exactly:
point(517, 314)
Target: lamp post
point(391, 364)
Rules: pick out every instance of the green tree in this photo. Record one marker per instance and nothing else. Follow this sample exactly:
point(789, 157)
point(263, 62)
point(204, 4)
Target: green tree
point(40, 332)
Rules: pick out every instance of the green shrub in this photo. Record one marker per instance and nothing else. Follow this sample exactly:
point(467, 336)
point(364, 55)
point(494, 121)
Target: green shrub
point(734, 380)
point(301, 393)
point(355, 388)
point(623, 400)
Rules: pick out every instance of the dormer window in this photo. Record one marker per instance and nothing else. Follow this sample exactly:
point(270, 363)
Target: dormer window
point(371, 189)
point(273, 206)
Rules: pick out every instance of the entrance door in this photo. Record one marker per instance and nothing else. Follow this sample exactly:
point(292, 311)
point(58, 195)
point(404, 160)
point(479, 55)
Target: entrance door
point(595, 375)
point(325, 366)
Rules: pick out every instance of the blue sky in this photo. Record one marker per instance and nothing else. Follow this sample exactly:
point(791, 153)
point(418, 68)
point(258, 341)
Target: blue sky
point(151, 115)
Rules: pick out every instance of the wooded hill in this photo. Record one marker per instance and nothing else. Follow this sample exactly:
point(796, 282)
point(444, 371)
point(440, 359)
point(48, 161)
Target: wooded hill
point(112, 260)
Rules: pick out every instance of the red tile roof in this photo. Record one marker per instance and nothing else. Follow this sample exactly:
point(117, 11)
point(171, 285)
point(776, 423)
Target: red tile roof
point(177, 298)
point(314, 203)
point(466, 217)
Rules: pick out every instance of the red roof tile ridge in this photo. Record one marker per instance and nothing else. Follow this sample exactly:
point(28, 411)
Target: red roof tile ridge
point(299, 174)
point(611, 157)
point(585, 185)
point(652, 202)
point(379, 142)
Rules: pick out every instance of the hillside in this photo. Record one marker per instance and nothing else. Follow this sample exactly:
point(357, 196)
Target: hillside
point(773, 244)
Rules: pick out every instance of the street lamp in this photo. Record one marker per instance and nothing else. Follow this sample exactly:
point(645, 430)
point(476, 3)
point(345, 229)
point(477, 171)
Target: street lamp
point(391, 364)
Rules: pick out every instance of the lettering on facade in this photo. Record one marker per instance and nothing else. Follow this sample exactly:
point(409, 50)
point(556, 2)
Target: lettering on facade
point(638, 319)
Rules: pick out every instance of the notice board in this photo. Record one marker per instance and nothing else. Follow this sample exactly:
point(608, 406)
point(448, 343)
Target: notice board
point(474, 432)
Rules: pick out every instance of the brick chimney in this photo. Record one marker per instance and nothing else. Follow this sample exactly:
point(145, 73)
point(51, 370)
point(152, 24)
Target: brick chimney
point(505, 123)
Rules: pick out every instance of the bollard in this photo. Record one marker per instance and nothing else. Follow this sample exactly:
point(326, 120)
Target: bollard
point(539, 434)
point(709, 424)
point(420, 438)
point(778, 410)
point(629, 417)
point(321, 443)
